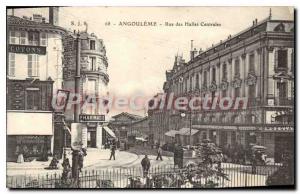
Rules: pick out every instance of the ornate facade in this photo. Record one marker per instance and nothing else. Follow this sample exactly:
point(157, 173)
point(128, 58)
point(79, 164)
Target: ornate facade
point(94, 78)
point(257, 63)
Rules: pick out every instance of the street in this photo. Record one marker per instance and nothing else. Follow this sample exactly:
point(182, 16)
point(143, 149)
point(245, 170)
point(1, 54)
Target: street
point(96, 159)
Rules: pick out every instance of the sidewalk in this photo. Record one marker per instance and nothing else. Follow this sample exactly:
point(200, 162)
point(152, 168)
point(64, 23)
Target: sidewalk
point(94, 157)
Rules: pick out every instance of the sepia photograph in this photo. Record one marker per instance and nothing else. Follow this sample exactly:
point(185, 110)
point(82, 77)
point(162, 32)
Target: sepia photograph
point(161, 97)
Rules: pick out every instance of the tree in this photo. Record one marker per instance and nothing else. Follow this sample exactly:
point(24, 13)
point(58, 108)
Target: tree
point(208, 168)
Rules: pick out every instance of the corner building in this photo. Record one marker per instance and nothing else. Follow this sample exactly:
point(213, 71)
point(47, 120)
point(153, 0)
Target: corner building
point(257, 63)
point(93, 80)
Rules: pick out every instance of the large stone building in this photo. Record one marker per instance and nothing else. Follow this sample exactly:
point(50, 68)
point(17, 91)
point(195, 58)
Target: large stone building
point(257, 63)
point(93, 80)
point(34, 74)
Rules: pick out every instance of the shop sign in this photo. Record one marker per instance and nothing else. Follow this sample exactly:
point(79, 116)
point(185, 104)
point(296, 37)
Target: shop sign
point(27, 49)
point(217, 127)
point(31, 139)
point(247, 128)
point(91, 118)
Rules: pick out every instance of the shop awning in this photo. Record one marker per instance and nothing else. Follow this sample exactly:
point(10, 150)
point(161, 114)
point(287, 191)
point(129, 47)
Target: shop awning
point(215, 127)
point(29, 123)
point(141, 139)
point(109, 131)
point(187, 131)
point(171, 133)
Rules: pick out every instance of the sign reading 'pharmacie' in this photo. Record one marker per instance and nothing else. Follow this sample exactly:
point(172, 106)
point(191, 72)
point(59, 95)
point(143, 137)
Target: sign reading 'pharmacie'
point(91, 118)
point(27, 49)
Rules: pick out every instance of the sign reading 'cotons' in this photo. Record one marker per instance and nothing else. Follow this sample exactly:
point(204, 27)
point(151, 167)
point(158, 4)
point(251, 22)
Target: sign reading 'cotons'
point(27, 49)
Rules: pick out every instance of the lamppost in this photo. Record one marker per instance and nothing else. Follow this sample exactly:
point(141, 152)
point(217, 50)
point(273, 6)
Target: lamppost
point(75, 153)
point(183, 115)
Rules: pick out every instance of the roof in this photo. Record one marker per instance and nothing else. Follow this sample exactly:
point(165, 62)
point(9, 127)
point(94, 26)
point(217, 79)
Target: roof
point(17, 22)
point(133, 116)
point(171, 133)
point(187, 131)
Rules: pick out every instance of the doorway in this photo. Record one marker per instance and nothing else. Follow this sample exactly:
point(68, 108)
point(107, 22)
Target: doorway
point(91, 142)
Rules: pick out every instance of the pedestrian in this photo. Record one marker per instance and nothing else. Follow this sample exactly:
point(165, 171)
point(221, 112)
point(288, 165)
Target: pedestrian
point(81, 155)
point(254, 164)
point(112, 151)
point(159, 152)
point(145, 165)
point(180, 156)
point(175, 156)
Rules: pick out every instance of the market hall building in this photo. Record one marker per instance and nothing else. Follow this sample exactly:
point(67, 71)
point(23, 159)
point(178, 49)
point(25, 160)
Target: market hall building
point(34, 74)
point(257, 63)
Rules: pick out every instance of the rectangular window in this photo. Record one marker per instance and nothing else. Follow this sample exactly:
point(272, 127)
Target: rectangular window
point(33, 65)
point(43, 39)
point(237, 92)
point(92, 86)
point(92, 45)
point(12, 64)
point(93, 63)
point(32, 99)
point(237, 67)
point(252, 63)
point(13, 37)
point(282, 58)
point(205, 78)
point(224, 71)
point(224, 93)
point(214, 74)
point(282, 90)
point(33, 38)
point(252, 92)
point(23, 38)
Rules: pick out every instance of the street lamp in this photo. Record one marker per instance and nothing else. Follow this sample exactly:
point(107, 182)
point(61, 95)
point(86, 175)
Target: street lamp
point(183, 115)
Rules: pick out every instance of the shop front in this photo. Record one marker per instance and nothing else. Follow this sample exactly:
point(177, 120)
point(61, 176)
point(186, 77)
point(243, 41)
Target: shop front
point(30, 134)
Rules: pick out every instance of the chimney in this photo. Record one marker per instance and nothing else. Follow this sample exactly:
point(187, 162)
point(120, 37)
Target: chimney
point(37, 18)
point(53, 15)
point(192, 53)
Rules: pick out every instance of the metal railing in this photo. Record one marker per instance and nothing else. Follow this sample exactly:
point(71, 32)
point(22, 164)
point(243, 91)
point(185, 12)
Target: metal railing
point(158, 177)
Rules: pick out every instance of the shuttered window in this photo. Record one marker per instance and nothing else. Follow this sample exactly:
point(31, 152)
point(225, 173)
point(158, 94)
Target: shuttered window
point(33, 65)
point(12, 64)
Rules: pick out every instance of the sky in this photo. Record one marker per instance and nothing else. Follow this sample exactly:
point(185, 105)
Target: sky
point(139, 56)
